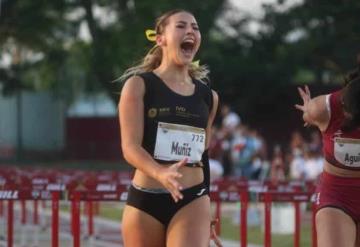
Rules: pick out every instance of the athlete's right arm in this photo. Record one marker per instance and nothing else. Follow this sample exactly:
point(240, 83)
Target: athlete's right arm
point(131, 116)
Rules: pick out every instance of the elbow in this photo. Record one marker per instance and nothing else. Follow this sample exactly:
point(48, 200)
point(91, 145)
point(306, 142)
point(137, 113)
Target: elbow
point(128, 151)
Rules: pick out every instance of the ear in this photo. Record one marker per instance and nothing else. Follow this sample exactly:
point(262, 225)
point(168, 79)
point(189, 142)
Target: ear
point(160, 40)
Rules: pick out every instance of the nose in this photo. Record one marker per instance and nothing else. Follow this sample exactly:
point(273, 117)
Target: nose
point(189, 30)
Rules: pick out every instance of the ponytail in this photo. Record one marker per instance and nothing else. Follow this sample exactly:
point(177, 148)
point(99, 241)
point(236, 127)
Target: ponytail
point(354, 73)
point(351, 100)
point(151, 61)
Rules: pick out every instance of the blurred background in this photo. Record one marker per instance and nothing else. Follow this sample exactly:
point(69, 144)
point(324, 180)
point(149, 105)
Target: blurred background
point(59, 61)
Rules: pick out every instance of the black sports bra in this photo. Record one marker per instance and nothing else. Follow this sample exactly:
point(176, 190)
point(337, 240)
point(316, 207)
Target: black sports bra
point(174, 125)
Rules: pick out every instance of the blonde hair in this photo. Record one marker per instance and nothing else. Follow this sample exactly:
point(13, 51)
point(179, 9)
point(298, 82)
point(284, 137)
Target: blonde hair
point(153, 58)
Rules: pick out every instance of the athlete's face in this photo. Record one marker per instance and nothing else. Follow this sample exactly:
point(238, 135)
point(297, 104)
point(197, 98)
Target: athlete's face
point(181, 38)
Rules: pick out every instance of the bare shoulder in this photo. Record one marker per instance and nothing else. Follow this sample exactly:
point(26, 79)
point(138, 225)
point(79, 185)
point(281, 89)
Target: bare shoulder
point(132, 91)
point(134, 85)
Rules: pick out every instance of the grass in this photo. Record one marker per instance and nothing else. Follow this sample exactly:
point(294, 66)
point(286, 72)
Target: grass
point(256, 235)
point(108, 210)
point(111, 211)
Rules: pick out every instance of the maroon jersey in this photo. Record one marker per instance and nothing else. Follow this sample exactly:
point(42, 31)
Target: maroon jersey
point(340, 149)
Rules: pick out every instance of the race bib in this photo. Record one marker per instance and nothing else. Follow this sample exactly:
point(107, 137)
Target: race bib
point(347, 151)
point(175, 142)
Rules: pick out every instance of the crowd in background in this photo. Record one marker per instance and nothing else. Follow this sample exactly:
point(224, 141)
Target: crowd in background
point(237, 150)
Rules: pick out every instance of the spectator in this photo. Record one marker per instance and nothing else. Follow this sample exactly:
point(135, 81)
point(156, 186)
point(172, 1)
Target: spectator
point(277, 172)
point(230, 119)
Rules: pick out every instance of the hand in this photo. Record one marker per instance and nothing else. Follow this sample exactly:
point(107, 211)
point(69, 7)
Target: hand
point(168, 178)
point(213, 234)
point(306, 97)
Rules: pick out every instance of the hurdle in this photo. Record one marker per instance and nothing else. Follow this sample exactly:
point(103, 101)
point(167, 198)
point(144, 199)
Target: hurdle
point(93, 190)
point(266, 193)
point(24, 195)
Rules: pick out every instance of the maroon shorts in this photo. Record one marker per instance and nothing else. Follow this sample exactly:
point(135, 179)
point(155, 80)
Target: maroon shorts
point(339, 192)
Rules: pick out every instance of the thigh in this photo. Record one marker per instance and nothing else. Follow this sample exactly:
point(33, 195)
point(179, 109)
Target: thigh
point(190, 226)
point(335, 228)
point(358, 235)
point(139, 229)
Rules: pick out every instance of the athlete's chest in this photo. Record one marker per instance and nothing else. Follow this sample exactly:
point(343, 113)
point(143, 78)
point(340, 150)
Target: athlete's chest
point(347, 148)
point(194, 112)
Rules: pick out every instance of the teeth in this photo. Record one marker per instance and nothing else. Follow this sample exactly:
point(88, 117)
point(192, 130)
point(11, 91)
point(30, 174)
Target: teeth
point(189, 40)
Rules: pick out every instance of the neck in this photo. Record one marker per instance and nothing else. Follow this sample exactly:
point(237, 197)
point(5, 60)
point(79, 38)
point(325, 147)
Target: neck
point(172, 72)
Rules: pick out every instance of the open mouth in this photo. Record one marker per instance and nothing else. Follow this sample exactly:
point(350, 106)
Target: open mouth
point(187, 47)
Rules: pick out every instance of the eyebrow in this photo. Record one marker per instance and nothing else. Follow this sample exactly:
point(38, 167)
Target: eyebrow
point(184, 22)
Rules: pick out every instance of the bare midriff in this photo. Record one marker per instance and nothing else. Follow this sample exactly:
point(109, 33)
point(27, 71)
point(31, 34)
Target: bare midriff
point(337, 171)
point(190, 176)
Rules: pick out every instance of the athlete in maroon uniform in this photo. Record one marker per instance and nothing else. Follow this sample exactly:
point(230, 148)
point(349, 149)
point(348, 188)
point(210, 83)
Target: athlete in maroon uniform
point(337, 115)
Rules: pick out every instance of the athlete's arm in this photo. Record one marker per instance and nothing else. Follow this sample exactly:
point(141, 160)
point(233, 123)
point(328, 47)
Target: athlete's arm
point(314, 110)
point(131, 116)
point(211, 117)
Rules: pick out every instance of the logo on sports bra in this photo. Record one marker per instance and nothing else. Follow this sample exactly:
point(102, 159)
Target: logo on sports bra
point(183, 112)
point(201, 192)
point(152, 112)
point(180, 109)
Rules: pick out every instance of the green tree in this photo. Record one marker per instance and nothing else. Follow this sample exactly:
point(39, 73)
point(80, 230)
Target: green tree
point(30, 31)
point(67, 64)
point(310, 42)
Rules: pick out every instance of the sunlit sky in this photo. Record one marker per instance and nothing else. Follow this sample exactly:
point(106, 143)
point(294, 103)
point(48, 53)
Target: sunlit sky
point(254, 6)
point(250, 8)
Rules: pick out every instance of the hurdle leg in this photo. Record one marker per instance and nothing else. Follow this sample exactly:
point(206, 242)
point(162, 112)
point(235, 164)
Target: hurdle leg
point(23, 223)
point(55, 219)
point(10, 224)
point(297, 225)
point(76, 219)
point(244, 199)
point(267, 237)
point(36, 223)
point(313, 232)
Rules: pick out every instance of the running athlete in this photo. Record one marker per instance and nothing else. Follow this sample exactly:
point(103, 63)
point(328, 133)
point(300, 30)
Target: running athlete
point(337, 115)
point(166, 112)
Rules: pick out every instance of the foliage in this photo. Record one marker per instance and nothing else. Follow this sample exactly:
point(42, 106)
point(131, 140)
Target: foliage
point(310, 42)
point(29, 30)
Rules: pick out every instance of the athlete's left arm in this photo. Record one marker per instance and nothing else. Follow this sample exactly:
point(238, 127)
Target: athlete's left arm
point(314, 110)
point(211, 117)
